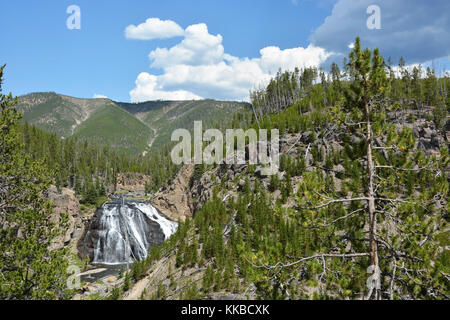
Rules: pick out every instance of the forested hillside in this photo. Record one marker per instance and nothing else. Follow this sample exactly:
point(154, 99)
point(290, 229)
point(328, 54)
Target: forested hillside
point(166, 116)
point(359, 209)
point(89, 167)
point(86, 143)
point(135, 127)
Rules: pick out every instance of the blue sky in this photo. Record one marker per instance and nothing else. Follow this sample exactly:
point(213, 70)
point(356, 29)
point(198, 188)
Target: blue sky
point(221, 48)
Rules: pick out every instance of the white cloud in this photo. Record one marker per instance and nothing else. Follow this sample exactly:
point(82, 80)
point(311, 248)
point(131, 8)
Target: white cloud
point(100, 96)
point(154, 28)
point(147, 88)
point(199, 67)
point(221, 81)
point(273, 58)
point(397, 70)
point(197, 48)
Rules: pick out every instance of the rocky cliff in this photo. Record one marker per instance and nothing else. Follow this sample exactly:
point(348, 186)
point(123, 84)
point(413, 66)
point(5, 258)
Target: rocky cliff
point(66, 202)
point(175, 200)
point(132, 182)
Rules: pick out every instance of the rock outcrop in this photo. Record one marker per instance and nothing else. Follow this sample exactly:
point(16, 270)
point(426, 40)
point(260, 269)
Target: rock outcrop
point(175, 200)
point(132, 182)
point(66, 202)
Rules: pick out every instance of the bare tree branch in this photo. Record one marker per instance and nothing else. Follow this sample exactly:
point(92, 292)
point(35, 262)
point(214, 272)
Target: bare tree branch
point(316, 256)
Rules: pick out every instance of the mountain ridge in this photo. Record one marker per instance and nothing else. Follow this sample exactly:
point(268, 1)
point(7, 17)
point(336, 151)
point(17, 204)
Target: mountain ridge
point(138, 127)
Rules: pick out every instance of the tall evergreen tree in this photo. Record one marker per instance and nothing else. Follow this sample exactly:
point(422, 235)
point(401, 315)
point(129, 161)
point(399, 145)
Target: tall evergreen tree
point(28, 268)
point(386, 222)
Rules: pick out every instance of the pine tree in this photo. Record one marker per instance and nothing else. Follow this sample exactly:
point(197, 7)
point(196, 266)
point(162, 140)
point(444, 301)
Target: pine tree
point(374, 224)
point(208, 278)
point(29, 269)
point(274, 183)
point(194, 255)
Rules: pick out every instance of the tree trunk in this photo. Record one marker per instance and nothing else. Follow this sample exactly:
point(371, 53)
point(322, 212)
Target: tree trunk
point(371, 196)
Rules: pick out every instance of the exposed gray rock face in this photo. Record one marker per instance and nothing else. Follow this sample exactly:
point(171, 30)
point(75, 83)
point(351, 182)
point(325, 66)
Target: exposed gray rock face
point(66, 202)
point(132, 182)
point(175, 201)
point(429, 138)
point(228, 296)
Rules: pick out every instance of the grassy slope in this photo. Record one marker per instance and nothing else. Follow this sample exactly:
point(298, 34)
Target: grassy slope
point(113, 125)
point(51, 113)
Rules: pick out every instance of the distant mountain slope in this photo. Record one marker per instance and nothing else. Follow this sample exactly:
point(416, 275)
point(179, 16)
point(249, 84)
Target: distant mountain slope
point(113, 125)
point(165, 116)
point(138, 127)
point(57, 113)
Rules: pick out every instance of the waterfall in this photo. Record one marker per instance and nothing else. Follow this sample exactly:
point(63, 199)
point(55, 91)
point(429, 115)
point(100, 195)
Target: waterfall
point(168, 227)
point(121, 232)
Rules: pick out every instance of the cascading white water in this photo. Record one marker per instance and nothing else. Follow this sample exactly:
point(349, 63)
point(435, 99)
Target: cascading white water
point(123, 232)
point(168, 227)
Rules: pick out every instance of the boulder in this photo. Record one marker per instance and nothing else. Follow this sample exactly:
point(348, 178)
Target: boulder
point(427, 133)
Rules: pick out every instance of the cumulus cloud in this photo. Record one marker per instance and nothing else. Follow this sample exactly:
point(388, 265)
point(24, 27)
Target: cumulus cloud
point(147, 88)
point(273, 58)
point(221, 81)
point(154, 28)
point(197, 48)
point(415, 29)
point(199, 67)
